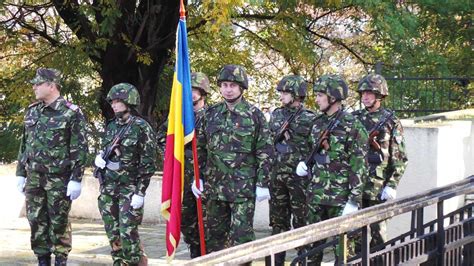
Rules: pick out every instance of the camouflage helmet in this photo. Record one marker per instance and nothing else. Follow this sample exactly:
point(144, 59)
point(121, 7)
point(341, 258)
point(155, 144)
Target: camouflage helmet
point(375, 83)
point(332, 85)
point(234, 73)
point(125, 92)
point(46, 75)
point(199, 80)
point(294, 84)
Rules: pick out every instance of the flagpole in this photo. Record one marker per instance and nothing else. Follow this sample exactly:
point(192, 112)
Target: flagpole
point(182, 14)
point(198, 200)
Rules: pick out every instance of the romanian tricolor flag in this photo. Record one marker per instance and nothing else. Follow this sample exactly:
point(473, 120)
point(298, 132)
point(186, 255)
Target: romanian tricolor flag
point(180, 131)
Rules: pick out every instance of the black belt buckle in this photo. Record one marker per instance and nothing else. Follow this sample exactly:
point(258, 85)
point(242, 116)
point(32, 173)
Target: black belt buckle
point(321, 158)
point(282, 148)
point(375, 158)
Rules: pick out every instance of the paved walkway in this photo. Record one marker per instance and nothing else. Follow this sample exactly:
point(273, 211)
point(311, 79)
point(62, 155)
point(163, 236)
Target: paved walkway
point(90, 245)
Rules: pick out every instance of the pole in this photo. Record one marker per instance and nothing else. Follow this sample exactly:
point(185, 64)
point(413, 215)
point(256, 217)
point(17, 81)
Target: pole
point(198, 200)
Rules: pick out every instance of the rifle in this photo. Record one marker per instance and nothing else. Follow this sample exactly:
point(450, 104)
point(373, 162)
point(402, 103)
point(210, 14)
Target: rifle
point(100, 173)
point(323, 140)
point(376, 130)
point(279, 136)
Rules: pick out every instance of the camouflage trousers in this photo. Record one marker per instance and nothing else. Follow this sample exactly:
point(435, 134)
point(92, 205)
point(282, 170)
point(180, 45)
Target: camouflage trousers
point(378, 231)
point(189, 219)
point(318, 213)
point(121, 223)
point(47, 210)
point(288, 205)
point(229, 223)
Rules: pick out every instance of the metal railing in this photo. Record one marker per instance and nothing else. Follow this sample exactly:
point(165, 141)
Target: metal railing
point(418, 96)
point(361, 220)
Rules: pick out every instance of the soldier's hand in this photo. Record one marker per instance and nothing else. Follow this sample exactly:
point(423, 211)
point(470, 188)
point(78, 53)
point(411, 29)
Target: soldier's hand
point(20, 184)
point(388, 193)
point(350, 207)
point(73, 189)
point(99, 161)
point(262, 193)
point(302, 169)
point(137, 201)
point(197, 191)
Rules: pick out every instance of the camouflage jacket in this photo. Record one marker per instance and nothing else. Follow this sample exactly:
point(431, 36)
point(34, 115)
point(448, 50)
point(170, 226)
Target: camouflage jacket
point(188, 150)
point(338, 172)
point(294, 147)
point(234, 149)
point(391, 169)
point(136, 154)
point(54, 140)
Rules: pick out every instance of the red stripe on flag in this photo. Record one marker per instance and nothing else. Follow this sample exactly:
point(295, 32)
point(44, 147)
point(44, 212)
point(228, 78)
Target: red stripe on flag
point(172, 197)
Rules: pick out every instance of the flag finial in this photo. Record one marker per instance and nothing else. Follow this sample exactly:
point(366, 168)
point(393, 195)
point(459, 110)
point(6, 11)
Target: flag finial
point(182, 12)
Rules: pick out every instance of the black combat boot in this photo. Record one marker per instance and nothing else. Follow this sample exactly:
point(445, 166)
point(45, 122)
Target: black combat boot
point(60, 261)
point(195, 251)
point(44, 260)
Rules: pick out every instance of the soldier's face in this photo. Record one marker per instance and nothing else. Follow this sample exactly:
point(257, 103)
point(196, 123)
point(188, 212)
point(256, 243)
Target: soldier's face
point(42, 90)
point(118, 106)
point(322, 100)
point(230, 90)
point(286, 97)
point(368, 98)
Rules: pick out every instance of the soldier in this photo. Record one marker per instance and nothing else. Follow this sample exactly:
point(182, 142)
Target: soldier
point(290, 126)
point(128, 171)
point(338, 167)
point(386, 156)
point(234, 151)
point(51, 163)
point(189, 221)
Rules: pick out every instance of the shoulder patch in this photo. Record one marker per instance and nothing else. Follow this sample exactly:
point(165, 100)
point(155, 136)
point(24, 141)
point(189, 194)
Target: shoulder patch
point(72, 106)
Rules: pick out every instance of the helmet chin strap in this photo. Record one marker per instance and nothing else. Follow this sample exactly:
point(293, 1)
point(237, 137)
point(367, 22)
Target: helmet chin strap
point(372, 104)
point(330, 104)
point(290, 102)
point(197, 101)
point(120, 115)
point(234, 99)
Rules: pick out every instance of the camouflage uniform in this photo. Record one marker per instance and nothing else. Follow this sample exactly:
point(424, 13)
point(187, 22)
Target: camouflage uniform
point(137, 154)
point(287, 189)
point(391, 169)
point(53, 152)
point(234, 151)
point(337, 173)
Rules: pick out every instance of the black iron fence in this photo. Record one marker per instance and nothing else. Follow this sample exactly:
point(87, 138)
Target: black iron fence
point(418, 96)
point(447, 240)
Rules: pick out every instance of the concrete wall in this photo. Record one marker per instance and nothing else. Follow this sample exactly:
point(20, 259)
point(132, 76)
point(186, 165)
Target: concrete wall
point(439, 153)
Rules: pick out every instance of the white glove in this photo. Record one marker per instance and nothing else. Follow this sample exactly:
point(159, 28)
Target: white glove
point(350, 207)
point(302, 169)
point(262, 193)
point(137, 201)
point(388, 193)
point(20, 184)
point(197, 191)
point(99, 161)
point(73, 189)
